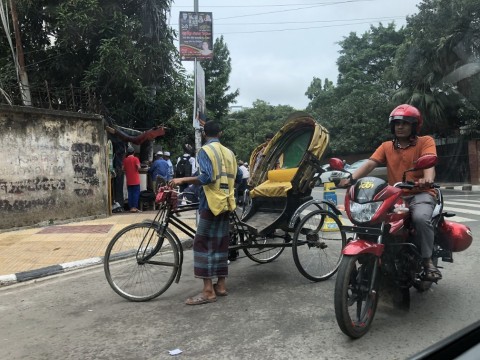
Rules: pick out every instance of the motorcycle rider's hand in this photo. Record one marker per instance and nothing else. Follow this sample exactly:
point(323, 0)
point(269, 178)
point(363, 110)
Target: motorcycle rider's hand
point(344, 182)
point(425, 182)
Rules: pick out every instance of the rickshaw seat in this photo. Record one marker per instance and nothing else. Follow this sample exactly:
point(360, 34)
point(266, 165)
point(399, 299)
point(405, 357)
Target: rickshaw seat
point(277, 185)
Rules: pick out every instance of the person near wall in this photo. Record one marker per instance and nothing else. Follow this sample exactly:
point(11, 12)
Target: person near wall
point(166, 156)
point(131, 167)
point(218, 173)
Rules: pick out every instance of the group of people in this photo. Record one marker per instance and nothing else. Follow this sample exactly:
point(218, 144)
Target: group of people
point(219, 171)
point(161, 171)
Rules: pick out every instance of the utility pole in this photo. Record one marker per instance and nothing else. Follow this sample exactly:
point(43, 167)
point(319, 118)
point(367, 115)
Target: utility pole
point(198, 134)
point(20, 59)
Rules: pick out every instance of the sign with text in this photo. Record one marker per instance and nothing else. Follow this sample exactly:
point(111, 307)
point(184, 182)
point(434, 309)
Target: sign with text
point(196, 35)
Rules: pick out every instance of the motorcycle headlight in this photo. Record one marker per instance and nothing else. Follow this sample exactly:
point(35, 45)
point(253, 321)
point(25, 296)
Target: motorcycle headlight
point(363, 213)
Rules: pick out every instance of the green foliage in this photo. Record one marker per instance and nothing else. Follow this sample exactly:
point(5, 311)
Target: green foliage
point(121, 51)
point(356, 110)
point(435, 64)
point(246, 129)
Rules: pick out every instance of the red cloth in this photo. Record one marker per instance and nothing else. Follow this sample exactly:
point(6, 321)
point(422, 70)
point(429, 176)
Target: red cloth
point(131, 165)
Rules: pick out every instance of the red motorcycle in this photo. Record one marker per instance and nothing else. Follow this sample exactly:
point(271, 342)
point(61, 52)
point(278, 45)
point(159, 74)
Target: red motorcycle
point(383, 253)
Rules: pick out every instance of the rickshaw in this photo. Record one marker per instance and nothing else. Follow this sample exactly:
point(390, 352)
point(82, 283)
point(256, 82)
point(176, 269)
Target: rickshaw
point(144, 259)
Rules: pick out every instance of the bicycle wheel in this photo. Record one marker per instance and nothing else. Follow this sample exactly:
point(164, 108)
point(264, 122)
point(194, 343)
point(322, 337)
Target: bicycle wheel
point(264, 254)
point(138, 264)
point(356, 294)
point(317, 245)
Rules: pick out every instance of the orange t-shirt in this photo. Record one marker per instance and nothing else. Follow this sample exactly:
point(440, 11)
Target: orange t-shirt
point(398, 160)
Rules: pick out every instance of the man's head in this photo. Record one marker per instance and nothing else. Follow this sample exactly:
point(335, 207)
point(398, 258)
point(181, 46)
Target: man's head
point(405, 120)
point(159, 154)
point(166, 154)
point(269, 136)
point(212, 129)
point(130, 150)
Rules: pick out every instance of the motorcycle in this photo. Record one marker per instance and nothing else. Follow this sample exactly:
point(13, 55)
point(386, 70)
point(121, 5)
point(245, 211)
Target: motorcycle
point(383, 253)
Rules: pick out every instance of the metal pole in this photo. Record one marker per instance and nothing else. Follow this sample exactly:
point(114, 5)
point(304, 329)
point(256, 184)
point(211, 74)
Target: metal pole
point(198, 134)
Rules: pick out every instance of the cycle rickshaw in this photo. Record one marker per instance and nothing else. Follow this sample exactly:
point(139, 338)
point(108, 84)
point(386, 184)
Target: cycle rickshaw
point(144, 259)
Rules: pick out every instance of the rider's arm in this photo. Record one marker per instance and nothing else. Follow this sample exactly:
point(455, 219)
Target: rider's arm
point(365, 169)
point(428, 176)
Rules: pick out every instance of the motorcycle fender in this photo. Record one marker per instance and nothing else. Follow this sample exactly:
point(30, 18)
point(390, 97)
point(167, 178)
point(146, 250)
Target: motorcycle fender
point(360, 246)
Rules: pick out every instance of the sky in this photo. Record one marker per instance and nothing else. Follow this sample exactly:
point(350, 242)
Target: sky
point(277, 47)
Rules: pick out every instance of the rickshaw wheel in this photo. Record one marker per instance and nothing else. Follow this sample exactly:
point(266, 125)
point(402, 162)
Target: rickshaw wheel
point(262, 254)
point(317, 245)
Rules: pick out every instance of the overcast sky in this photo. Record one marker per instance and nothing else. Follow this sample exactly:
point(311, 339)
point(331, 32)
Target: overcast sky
point(278, 46)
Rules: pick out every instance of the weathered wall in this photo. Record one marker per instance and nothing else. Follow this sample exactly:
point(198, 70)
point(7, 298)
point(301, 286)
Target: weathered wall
point(52, 166)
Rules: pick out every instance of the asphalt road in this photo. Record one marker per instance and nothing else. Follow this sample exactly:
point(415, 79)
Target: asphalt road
point(272, 312)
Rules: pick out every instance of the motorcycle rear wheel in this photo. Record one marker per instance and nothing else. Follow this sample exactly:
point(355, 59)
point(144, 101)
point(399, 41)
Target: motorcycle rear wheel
point(356, 294)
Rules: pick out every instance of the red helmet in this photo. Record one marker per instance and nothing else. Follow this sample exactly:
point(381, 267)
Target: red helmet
point(408, 113)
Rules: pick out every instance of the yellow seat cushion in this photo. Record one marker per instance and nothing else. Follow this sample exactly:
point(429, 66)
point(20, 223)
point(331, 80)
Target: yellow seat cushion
point(277, 185)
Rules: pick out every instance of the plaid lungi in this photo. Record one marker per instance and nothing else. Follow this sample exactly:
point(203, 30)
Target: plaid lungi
point(210, 246)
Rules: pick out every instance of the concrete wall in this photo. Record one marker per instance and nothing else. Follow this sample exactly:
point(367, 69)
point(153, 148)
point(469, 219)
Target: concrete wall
point(52, 166)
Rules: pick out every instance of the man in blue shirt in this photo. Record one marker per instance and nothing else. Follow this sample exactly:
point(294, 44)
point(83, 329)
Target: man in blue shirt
point(159, 168)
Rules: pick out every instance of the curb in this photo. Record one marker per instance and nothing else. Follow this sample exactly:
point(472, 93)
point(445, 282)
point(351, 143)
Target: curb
point(23, 276)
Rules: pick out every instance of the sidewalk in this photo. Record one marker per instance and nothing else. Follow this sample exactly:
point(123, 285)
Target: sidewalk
point(38, 252)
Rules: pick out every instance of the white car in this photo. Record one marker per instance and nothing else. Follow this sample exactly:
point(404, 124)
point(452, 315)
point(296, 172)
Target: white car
point(329, 174)
point(379, 171)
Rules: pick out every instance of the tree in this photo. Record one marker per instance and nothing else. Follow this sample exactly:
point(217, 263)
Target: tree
point(438, 64)
point(217, 74)
point(360, 102)
point(119, 51)
point(246, 129)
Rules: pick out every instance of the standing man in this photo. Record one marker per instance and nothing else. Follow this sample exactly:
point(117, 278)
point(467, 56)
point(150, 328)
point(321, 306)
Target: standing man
point(158, 171)
point(131, 167)
point(166, 156)
point(243, 185)
point(186, 165)
point(400, 154)
point(218, 173)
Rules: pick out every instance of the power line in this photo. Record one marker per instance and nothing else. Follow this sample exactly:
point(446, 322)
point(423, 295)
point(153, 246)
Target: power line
point(296, 9)
point(294, 29)
point(271, 5)
point(304, 22)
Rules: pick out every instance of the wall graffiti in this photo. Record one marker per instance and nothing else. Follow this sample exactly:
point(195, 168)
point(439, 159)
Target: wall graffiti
point(83, 192)
point(82, 162)
point(38, 184)
point(21, 205)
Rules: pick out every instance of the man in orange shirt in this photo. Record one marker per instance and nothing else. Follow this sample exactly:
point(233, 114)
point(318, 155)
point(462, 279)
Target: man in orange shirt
point(131, 166)
point(400, 154)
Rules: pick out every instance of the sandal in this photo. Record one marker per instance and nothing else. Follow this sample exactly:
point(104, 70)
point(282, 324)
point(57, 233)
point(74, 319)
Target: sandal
point(431, 272)
point(199, 300)
point(219, 293)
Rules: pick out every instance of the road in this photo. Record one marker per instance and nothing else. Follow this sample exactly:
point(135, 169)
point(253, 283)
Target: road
point(272, 312)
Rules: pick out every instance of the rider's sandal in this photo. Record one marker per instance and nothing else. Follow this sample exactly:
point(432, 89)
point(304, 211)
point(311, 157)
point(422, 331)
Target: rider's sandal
point(432, 273)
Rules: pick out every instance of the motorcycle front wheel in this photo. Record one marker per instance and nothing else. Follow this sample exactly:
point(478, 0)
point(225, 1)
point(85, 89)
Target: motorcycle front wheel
point(356, 294)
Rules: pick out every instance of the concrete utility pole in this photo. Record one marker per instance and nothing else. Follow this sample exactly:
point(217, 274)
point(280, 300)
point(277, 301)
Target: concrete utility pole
point(20, 59)
point(198, 133)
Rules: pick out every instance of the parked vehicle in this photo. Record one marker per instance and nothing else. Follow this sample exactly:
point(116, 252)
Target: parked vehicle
point(331, 174)
point(379, 171)
point(328, 175)
point(383, 251)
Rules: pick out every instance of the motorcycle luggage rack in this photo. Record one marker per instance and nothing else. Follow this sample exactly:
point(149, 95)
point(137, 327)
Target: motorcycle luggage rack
point(362, 230)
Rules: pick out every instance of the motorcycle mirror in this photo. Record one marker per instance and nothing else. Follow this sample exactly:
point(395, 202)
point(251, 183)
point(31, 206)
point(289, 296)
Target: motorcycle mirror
point(336, 164)
point(423, 162)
